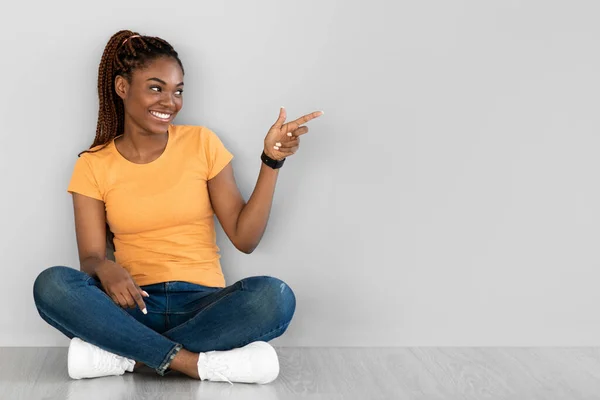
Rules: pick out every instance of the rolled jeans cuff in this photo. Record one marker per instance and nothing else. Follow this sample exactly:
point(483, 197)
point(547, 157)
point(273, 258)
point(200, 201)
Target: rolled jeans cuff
point(164, 366)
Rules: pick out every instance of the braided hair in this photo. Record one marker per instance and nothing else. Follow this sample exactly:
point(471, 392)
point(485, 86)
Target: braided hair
point(125, 52)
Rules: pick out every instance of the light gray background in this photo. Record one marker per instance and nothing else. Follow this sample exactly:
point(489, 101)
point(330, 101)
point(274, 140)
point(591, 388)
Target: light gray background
point(448, 196)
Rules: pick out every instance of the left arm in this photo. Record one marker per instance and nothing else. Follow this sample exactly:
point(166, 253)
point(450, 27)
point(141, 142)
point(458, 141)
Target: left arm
point(245, 223)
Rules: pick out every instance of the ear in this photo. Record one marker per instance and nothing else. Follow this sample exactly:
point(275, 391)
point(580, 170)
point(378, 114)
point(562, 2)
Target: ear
point(121, 86)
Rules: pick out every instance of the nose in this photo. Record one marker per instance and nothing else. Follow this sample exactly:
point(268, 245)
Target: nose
point(168, 101)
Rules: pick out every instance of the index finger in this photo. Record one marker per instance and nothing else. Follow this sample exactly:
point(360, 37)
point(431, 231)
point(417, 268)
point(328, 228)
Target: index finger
point(137, 297)
point(293, 125)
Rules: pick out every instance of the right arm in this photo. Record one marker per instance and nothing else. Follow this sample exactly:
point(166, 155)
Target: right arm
point(90, 229)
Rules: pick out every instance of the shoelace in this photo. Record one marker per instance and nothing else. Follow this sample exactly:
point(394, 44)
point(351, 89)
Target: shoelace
point(220, 375)
point(214, 365)
point(217, 365)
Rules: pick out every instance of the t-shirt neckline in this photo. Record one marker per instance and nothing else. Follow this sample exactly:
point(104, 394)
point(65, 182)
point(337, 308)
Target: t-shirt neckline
point(139, 165)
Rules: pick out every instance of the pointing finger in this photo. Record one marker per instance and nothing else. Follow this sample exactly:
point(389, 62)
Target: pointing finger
point(293, 125)
point(137, 297)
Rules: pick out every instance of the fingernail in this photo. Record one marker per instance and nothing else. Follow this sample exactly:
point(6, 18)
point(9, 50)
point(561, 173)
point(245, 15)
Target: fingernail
point(322, 112)
point(282, 107)
point(145, 311)
point(276, 148)
point(146, 293)
point(289, 134)
point(278, 144)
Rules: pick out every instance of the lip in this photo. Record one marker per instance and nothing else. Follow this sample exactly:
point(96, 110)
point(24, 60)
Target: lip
point(161, 119)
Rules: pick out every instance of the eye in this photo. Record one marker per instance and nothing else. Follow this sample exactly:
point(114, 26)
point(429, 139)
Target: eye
point(155, 87)
point(180, 92)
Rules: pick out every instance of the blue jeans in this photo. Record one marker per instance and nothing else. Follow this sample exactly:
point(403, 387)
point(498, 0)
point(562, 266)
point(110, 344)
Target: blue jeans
point(180, 314)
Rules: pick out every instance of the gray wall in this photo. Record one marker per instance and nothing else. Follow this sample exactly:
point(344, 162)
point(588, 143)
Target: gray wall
point(448, 196)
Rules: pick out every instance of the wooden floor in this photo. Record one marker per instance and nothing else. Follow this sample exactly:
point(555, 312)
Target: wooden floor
point(333, 373)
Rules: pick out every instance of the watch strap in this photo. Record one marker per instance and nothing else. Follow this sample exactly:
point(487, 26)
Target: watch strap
point(275, 164)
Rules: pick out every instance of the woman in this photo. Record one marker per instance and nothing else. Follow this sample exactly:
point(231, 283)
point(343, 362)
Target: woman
point(155, 186)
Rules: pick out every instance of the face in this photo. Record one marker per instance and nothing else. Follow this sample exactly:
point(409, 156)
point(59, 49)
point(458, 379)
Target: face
point(154, 96)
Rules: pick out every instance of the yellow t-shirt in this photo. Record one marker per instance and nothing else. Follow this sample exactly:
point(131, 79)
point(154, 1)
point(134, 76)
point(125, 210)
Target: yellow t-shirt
point(160, 212)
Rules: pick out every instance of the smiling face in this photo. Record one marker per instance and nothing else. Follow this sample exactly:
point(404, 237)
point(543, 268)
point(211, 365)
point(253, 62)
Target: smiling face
point(153, 97)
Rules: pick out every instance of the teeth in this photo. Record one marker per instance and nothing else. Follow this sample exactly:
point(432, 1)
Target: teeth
point(160, 115)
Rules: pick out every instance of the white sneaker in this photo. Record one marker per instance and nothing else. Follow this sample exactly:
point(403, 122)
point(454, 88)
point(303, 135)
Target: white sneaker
point(88, 361)
point(254, 363)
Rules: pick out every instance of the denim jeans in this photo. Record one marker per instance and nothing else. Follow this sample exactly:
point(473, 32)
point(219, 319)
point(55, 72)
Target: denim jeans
point(180, 314)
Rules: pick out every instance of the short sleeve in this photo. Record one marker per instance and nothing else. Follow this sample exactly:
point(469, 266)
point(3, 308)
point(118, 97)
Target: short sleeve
point(217, 156)
point(83, 180)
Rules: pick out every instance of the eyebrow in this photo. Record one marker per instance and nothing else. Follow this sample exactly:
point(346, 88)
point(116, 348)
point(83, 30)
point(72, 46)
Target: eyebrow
point(163, 82)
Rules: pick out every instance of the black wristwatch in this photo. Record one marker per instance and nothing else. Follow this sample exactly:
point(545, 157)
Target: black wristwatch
point(270, 162)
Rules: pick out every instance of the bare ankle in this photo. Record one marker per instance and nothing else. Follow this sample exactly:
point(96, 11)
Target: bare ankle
point(186, 362)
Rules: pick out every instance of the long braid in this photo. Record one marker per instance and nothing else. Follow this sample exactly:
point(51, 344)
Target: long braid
point(125, 52)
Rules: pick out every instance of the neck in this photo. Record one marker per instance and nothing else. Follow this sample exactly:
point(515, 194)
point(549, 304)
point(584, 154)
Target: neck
point(141, 142)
